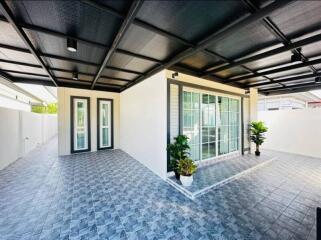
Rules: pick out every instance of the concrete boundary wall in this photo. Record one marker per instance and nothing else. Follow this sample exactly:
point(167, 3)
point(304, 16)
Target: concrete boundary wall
point(295, 131)
point(21, 132)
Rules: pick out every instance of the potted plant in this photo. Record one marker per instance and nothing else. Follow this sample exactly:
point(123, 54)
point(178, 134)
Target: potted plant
point(178, 150)
point(258, 129)
point(186, 168)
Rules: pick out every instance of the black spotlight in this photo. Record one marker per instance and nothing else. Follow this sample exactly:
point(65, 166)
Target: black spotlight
point(175, 74)
point(71, 45)
point(318, 79)
point(75, 76)
point(297, 57)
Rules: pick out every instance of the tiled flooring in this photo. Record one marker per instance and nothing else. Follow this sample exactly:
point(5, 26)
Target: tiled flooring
point(108, 195)
point(216, 174)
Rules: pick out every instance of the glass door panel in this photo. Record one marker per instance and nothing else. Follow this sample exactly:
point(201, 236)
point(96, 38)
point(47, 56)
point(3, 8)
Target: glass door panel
point(104, 124)
point(80, 124)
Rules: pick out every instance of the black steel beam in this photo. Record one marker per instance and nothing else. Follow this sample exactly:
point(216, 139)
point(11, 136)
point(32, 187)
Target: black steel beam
point(318, 223)
point(81, 40)
point(9, 16)
point(89, 74)
point(286, 79)
point(277, 70)
point(252, 58)
point(87, 82)
point(138, 22)
point(292, 87)
point(231, 62)
point(134, 8)
point(201, 45)
point(69, 84)
point(20, 63)
point(273, 28)
point(194, 73)
point(25, 73)
point(87, 63)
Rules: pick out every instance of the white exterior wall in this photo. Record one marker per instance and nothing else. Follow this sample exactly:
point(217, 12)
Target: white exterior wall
point(143, 125)
point(64, 94)
point(21, 132)
point(296, 131)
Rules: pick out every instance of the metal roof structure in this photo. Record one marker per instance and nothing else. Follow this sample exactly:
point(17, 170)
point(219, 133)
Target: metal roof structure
point(274, 46)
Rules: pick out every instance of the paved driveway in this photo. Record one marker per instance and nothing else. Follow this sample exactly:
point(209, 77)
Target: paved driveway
point(109, 195)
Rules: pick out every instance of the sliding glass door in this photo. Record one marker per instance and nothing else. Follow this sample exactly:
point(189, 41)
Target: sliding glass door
point(80, 122)
point(105, 123)
point(212, 124)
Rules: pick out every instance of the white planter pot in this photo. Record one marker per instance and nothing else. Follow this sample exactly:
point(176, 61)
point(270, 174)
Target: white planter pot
point(186, 180)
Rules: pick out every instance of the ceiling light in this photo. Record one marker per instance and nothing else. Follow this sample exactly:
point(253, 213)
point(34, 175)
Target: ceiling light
point(318, 79)
point(75, 76)
point(175, 74)
point(71, 45)
point(297, 57)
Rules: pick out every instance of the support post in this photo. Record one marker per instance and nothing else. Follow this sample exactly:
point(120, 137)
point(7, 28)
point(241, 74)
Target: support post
point(253, 111)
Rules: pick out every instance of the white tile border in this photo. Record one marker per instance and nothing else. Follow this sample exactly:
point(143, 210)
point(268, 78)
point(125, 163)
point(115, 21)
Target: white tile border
point(193, 195)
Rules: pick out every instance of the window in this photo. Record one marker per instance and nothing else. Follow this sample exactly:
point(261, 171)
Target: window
point(211, 123)
point(80, 130)
point(105, 123)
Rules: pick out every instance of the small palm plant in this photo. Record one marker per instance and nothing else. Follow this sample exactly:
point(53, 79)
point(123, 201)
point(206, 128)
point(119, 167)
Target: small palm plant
point(258, 129)
point(178, 150)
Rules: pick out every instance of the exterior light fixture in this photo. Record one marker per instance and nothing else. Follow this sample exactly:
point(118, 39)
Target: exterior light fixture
point(297, 57)
point(175, 74)
point(71, 45)
point(318, 79)
point(75, 76)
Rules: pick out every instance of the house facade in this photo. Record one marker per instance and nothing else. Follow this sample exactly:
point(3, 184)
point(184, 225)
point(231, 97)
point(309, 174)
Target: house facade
point(143, 119)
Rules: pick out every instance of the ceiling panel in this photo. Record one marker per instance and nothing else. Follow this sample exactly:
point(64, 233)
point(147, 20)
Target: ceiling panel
point(58, 46)
point(77, 67)
point(144, 42)
point(9, 36)
point(298, 18)
point(175, 16)
point(130, 63)
point(118, 74)
point(201, 60)
point(242, 42)
point(71, 17)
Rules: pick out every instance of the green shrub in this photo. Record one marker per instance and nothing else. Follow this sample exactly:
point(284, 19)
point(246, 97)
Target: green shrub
point(186, 167)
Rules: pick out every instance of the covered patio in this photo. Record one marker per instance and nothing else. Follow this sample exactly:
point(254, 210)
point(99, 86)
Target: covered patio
point(131, 76)
point(109, 195)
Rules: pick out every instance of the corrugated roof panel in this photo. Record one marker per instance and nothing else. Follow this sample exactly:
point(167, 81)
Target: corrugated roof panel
point(191, 20)
point(247, 40)
point(119, 74)
point(142, 41)
point(298, 17)
point(72, 17)
point(130, 63)
point(201, 60)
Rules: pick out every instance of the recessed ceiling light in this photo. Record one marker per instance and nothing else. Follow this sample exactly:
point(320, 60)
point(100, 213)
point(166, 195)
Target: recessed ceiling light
point(71, 45)
point(75, 76)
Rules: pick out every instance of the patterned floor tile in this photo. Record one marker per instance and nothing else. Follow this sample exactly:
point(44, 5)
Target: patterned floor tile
point(109, 195)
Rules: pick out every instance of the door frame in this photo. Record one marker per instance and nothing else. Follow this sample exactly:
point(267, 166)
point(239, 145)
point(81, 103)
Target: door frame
point(111, 123)
point(72, 126)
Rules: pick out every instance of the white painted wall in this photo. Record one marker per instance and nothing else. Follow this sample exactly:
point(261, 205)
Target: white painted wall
point(143, 125)
point(21, 132)
point(64, 95)
point(295, 131)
